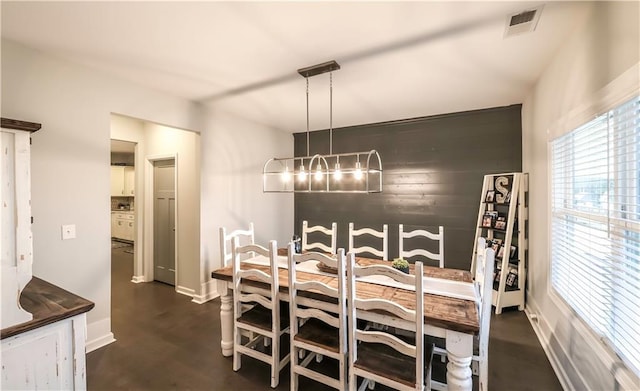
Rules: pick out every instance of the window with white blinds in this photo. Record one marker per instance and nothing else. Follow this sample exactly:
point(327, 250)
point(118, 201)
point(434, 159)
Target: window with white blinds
point(595, 226)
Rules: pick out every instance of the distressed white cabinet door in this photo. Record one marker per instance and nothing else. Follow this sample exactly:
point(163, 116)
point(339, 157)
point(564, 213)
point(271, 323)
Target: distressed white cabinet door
point(51, 357)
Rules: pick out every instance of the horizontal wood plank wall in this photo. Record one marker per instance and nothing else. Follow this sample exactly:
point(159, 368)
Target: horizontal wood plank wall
point(433, 172)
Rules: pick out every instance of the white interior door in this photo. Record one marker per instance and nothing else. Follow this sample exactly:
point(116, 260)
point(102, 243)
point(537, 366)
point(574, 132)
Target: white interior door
point(164, 224)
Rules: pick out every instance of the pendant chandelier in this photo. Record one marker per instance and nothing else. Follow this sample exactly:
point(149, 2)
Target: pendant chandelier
point(350, 172)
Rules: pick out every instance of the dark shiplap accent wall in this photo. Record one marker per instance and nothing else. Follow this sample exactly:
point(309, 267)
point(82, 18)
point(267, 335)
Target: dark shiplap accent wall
point(433, 171)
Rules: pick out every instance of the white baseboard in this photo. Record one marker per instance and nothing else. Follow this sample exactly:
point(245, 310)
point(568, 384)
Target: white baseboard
point(209, 291)
point(542, 330)
point(137, 279)
point(100, 342)
point(185, 291)
point(99, 334)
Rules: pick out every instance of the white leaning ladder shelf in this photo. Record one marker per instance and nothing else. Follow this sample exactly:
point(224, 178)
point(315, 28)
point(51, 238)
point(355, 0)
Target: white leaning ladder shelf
point(507, 292)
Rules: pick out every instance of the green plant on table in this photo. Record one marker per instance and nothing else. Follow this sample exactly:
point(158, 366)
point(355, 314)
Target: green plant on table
point(400, 264)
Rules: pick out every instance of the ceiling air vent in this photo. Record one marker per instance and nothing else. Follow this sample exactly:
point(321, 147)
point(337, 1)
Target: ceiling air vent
point(522, 22)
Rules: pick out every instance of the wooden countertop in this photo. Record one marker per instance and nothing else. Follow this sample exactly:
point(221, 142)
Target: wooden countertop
point(48, 303)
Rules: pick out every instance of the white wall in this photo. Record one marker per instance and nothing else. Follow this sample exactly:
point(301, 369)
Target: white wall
point(234, 152)
point(70, 172)
point(70, 165)
point(600, 51)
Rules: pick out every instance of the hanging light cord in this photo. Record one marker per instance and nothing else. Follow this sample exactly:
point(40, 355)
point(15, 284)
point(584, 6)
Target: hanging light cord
point(330, 113)
point(307, 115)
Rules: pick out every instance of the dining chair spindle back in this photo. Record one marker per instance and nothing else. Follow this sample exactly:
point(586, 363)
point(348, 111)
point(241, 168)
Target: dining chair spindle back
point(377, 355)
point(483, 281)
point(317, 330)
point(226, 242)
point(485, 263)
point(421, 233)
point(330, 232)
point(257, 314)
point(383, 252)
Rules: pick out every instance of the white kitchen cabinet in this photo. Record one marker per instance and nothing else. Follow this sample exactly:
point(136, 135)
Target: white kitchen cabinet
point(122, 181)
point(123, 225)
point(117, 181)
point(129, 181)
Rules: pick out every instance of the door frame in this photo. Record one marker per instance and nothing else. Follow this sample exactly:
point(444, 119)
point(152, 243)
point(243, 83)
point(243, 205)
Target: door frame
point(148, 214)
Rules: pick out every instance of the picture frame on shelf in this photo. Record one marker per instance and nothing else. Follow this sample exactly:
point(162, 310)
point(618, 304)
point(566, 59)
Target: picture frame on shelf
point(495, 244)
point(512, 278)
point(500, 252)
point(493, 213)
point(500, 223)
point(512, 252)
point(487, 219)
point(490, 196)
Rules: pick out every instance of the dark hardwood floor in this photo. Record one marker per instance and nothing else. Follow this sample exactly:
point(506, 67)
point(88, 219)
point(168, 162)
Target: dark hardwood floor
point(166, 342)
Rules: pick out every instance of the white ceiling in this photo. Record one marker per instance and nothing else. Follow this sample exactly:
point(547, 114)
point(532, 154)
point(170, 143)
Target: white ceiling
point(399, 59)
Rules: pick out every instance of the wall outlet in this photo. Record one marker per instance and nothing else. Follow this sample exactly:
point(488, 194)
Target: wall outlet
point(68, 231)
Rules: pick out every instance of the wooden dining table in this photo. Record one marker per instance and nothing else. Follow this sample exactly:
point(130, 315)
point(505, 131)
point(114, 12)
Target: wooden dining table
point(454, 319)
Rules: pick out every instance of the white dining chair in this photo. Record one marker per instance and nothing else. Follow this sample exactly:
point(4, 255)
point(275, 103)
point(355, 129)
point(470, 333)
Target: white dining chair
point(330, 232)
point(247, 237)
point(483, 281)
point(382, 252)
point(379, 356)
point(485, 263)
point(403, 238)
point(257, 312)
point(317, 331)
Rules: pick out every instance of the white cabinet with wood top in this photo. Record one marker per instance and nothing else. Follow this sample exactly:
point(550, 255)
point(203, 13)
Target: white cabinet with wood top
point(43, 326)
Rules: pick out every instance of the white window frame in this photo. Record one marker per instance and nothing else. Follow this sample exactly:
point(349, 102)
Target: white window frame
point(618, 91)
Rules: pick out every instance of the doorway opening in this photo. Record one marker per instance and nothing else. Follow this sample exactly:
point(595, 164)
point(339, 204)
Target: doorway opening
point(123, 228)
point(155, 145)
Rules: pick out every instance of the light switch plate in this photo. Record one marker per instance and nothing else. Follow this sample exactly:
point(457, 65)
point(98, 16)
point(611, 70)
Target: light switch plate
point(68, 231)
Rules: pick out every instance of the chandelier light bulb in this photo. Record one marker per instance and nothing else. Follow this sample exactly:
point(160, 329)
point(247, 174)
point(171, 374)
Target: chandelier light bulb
point(302, 175)
point(286, 175)
point(358, 173)
point(337, 173)
point(318, 175)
